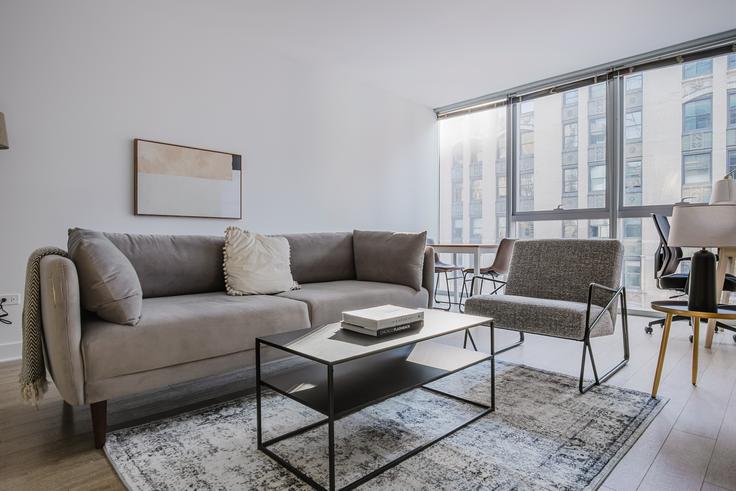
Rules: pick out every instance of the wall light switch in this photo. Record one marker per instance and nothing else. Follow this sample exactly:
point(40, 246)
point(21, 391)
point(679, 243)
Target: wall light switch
point(10, 298)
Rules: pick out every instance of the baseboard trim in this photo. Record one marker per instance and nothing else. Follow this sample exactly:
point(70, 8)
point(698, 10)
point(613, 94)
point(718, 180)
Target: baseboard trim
point(10, 351)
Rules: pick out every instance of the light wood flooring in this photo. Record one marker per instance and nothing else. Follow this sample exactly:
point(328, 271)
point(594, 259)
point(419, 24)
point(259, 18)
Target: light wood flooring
point(691, 444)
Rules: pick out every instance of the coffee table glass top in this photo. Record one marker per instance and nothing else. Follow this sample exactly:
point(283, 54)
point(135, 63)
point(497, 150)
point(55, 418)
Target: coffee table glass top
point(330, 344)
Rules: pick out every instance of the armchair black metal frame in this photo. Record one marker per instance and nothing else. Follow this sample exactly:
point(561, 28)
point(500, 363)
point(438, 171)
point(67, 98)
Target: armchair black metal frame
point(619, 293)
point(497, 287)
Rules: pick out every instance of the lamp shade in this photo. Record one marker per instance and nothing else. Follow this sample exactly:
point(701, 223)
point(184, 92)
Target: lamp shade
point(703, 226)
point(3, 133)
point(724, 191)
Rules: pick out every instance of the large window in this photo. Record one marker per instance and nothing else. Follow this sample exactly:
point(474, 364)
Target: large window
point(676, 131)
point(472, 175)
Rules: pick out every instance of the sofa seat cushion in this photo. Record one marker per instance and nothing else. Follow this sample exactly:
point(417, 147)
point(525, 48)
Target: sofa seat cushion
point(558, 318)
point(328, 300)
point(185, 328)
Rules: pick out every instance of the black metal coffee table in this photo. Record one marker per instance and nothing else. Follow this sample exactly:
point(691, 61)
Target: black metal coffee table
point(353, 371)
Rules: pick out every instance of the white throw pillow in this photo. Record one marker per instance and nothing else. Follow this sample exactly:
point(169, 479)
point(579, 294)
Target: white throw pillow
point(255, 264)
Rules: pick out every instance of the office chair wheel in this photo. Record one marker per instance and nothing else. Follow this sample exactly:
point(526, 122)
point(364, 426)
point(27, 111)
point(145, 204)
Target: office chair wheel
point(650, 330)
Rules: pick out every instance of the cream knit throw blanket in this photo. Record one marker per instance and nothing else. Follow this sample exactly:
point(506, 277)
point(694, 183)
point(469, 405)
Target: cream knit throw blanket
point(33, 384)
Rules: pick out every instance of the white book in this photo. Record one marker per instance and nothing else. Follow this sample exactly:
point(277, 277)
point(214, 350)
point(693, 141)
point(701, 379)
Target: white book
point(382, 316)
point(382, 332)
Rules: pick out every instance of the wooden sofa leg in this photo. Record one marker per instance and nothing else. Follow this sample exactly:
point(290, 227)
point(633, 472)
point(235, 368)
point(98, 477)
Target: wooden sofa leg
point(99, 422)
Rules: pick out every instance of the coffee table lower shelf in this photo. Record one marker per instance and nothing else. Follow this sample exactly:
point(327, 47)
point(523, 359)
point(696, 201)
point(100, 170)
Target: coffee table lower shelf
point(338, 390)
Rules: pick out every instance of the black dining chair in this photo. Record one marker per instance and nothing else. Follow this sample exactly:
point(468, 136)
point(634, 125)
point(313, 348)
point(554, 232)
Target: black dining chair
point(443, 268)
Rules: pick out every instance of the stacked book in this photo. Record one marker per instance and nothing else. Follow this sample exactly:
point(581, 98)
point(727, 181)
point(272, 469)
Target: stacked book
point(383, 320)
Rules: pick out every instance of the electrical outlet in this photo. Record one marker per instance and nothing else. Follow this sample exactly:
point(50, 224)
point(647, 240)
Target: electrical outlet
point(10, 298)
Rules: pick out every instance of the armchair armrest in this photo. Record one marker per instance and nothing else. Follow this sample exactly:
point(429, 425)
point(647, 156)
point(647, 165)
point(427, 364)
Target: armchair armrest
point(616, 293)
point(428, 274)
point(62, 326)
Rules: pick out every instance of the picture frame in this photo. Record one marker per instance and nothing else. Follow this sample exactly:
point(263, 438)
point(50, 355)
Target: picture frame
point(173, 180)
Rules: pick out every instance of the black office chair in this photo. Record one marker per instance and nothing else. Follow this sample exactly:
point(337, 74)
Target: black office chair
point(667, 261)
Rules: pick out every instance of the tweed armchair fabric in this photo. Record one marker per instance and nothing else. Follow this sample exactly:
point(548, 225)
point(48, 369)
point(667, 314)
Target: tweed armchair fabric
point(558, 318)
point(547, 287)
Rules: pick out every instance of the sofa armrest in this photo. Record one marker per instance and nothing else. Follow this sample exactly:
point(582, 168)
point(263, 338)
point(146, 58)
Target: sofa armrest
point(62, 326)
point(428, 274)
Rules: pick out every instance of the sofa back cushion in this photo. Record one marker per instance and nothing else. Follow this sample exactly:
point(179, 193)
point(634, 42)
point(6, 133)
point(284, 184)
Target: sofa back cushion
point(108, 283)
point(390, 257)
point(322, 257)
point(174, 264)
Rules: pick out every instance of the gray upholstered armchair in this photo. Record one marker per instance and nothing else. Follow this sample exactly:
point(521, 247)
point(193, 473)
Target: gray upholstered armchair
point(565, 288)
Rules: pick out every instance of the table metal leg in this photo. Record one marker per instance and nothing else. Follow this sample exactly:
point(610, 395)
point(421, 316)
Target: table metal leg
point(454, 281)
point(476, 270)
point(662, 350)
point(493, 369)
point(331, 424)
point(258, 395)
point(696, 348)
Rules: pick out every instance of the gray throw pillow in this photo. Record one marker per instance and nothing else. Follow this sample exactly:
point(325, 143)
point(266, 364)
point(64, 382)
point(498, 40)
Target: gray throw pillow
point(108, 283)
point(389, 257)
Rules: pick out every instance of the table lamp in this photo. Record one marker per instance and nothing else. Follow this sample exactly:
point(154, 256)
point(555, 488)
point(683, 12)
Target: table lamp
point(724, 190)
point(703, 226)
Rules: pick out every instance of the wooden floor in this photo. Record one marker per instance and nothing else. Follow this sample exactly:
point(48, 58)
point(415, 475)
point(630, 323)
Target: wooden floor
point(690, 445)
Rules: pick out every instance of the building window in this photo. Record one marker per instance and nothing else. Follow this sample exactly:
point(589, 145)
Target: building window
point(731, 162)
point(476, 190)
point(698, 68)
point(732, 109)
point(598, 229)
point(597, 131)
point(525, 230)
point(632, 272)
point(526, 191)
point(527, 144)
point(696, 115)
point(570, 136)
point(476, 229)
point(501, 186)
point(632, 126)
point(570, 98)
point(569, 229)
point(597, 91)
point(696, 169)
point(731, 62)
point(634, 82)
point(632, 183)
point(500, 228)
point(597, 178)
point(632, 228)
point(570, 180)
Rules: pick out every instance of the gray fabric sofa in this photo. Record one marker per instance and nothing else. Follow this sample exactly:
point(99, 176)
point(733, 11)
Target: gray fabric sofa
point(189, 327)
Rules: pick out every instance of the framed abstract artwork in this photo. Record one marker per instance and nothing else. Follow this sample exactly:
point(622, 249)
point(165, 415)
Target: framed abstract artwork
point(179, 181)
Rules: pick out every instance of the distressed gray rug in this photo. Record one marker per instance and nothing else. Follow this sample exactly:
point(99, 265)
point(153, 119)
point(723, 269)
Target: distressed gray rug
point(543, 435)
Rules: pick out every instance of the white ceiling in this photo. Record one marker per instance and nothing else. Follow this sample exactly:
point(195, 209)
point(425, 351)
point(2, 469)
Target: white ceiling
point(437, 52)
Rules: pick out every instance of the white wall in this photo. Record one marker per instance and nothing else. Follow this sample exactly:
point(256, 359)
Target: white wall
point(80, 79)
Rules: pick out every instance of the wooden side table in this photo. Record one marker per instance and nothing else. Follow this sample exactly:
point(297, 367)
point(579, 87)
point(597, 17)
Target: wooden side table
point(672, 308)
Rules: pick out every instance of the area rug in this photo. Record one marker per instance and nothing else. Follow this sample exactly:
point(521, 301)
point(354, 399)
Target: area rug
point(543, 435)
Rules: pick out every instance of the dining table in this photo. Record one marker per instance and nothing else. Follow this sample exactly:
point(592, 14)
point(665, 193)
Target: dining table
point(476, 251)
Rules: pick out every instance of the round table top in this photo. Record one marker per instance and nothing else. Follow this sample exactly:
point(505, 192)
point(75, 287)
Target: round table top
point(679, 307)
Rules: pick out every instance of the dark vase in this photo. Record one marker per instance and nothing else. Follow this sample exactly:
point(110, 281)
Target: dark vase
point(702, 290)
